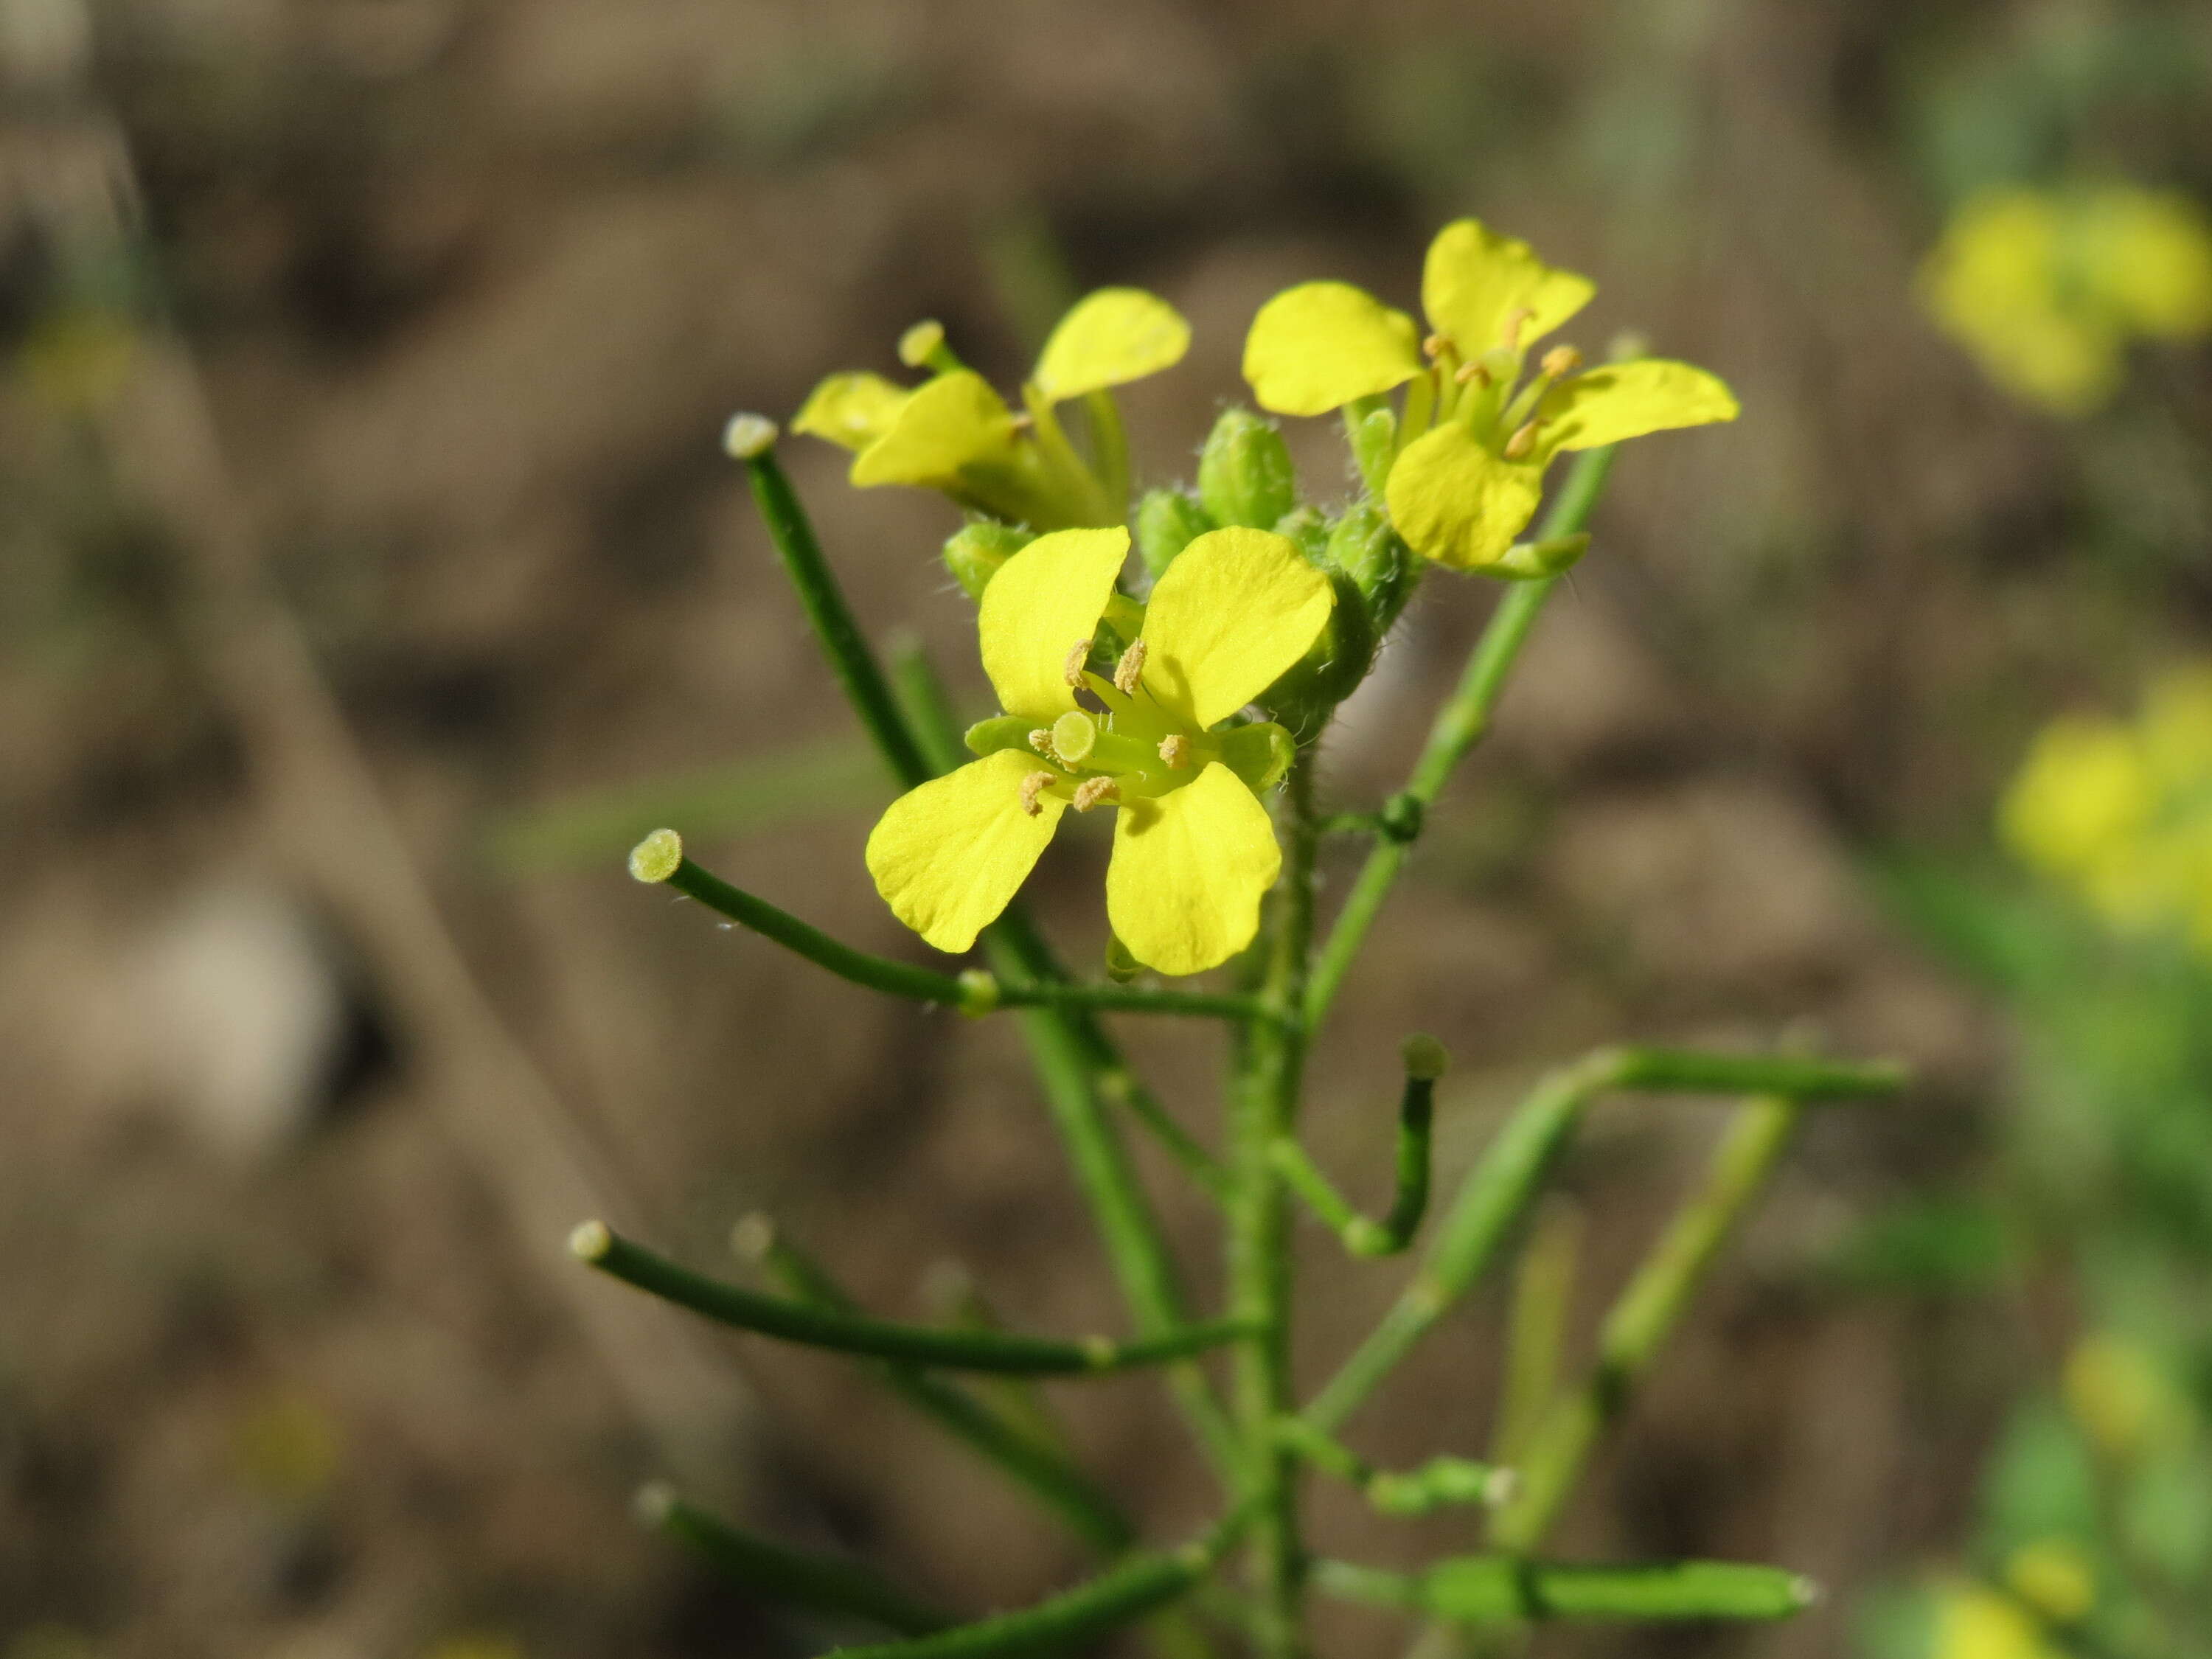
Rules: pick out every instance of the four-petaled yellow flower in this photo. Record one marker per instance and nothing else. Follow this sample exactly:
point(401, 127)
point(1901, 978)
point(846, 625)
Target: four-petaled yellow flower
point(1472, 443)
point(956, 434)
point(2046, 288)
point(1194, 849)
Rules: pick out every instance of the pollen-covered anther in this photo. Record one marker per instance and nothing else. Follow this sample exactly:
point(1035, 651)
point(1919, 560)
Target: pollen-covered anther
point(1473, 374)
point(1096, 791)
point(1518, 446)
point(1040, 741)
point(1130, 669)
point(1079, 655)
point(1175, 749)
point(1561, 359)
point(1033, 785)
point(1515, 320)
point(1434, 346)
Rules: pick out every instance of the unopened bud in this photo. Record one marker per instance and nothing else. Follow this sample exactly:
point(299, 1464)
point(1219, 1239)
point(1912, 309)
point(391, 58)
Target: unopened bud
point(656, 858)
point(979, 992)
point(590, 1242)
point(1244, 472)
point(1365, 547)
point(919, 343)
point(655, 1502)
point(1168, 521)
point(747, 437)
point(1425, 1057)
point(974, 552)
point(753, 1237)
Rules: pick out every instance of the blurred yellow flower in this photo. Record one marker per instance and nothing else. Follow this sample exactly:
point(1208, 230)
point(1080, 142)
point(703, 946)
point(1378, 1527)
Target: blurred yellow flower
point(2121, 1395)
point(2121, 812)
point(1468, 473)
point(1194, 850)
point(1974, 1623)
point(2054, 1575)
point(955, 434)
point(2046, 288)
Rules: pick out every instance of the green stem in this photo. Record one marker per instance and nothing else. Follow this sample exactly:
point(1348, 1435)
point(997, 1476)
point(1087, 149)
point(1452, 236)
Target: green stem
point(1109, 447)
point(1641, 1319)
point(1458, 725)
point(1049, 1476)
point(1536, 1326)
point(819, 1584)
point(1109, 1601)
point(1493, 1589)
point(1439, 1481)
point(1264, 1110)
point(1409, 1200)
point(851, 659)
point(916, 1345)
point(1131, 999)
point(1688, 1071)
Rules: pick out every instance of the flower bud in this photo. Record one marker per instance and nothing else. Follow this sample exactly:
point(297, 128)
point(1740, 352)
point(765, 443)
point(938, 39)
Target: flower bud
point(1244, 474)
point(1365, 547)
point(1307, 527)
point(975, 551)
point(1525, 562)
point(1168, 521)
point(1374, 438)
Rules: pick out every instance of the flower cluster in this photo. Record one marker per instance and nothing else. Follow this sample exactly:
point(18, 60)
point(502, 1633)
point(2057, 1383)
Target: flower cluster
point(1181, 703)
point(2122, 811)
point(2046, 288)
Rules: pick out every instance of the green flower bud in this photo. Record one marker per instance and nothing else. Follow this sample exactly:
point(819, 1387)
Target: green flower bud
point(1244, 474)
point(1307, 527)
point(1374, 436)
point(1530, 562)
point(1304, 697)
point(975, 551)
point(1168, 521)
point(1365, 547)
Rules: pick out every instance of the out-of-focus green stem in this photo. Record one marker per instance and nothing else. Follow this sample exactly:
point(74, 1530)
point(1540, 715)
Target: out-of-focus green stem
point(823, 600)
point(1458, 725)
point(915, 1345)
point(1263, 1114)
point(1080, 1616)
point(1439, 1481)
point(1049, 1476)
point(1493, 1589)
point(1643, 1318)
point(1131, 999)
point(819, 1584)
point(1536, 1328)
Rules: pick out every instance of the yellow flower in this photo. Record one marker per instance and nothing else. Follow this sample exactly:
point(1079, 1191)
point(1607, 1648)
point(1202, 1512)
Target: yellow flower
point(2046, 288)
point(956, 434)
point(1194, 850)
point(1974, 1623)
point(2054, 1575)
point(2118, 1391)
point(1473, 442)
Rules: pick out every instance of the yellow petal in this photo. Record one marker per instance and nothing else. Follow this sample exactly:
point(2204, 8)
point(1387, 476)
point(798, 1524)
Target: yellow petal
point(1475, 280)
point(1607, 405)
point(950, 855)
point(1043, 601)
point(1318, 345)
point(954, 423)
point(2149, 254)
point(1456, 503)
point(1232, 613)
point(853, 409)
point(1188, 873)
point(1115, 335)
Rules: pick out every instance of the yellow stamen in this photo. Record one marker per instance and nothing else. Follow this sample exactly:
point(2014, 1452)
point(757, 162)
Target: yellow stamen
point(1518, 446)
point(1472, 371)
point(1033, 785)
point(1515, 320)
point(1078, 655)
point(1040, 740)
point(1093, 792)
point(1175, 749)
point(1561, 359)
point(1126, 671)
point(1436, 345)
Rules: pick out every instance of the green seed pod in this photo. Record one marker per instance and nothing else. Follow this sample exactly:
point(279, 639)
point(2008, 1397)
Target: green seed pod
point(975, 551)
point(1244, 474)
point(1168, 521)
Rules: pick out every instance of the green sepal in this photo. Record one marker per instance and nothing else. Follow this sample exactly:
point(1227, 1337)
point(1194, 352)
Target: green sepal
point(1259, 753)
point(1530, 562)
point(1308, 528)
point(1304, 698)
point(974, 552)
point(1372, 429)
point(1363, 546)
point(1168, 521)
point(1120, 966)
point(1244, 472)
point(1000, 731)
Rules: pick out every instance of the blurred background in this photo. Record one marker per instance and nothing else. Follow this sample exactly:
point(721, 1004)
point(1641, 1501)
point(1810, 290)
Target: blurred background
point(370, 576)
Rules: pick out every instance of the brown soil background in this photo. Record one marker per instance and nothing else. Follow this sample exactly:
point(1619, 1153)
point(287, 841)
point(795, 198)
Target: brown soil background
point(470, 285)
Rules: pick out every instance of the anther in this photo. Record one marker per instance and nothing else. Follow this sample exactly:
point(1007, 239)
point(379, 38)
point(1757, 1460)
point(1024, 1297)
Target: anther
point(1561, 359)
point(1079, 654)
point(1040, 740)
point(1434, 346)
point(1175, 749)
point(1515, 320)
point(1472, 371)
point(1096, 791)
point(1127, 672)
point(1032, 786)
point(1518, 446)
